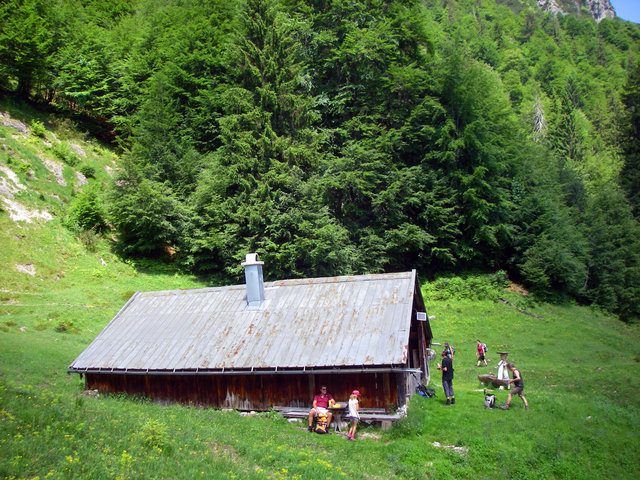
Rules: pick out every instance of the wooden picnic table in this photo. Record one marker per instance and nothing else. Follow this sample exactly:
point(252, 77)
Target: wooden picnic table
point(366, 414)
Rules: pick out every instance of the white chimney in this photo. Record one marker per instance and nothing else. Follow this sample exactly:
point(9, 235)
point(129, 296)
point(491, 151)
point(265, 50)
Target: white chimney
point(253, 277)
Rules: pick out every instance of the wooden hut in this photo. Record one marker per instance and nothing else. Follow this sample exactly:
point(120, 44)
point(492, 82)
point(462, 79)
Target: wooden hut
point(262, 344)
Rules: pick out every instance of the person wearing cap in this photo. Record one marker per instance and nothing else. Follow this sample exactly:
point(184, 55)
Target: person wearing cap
point(449, 350)
point(321, 404)
point(447, 378)
point(518, 386)
point(503, 371)
point(354, 416)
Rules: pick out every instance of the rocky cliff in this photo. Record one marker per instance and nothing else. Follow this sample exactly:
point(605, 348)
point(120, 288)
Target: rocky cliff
point(598, 9)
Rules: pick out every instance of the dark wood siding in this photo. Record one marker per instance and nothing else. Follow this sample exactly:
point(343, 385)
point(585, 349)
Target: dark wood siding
point(254, 392)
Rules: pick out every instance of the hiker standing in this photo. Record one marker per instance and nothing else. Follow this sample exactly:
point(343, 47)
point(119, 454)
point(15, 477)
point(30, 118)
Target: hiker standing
point(482, 349)
point(518, 386)
point(447, 378)
point(354, 415)
point(503, 371)
point(449, 350)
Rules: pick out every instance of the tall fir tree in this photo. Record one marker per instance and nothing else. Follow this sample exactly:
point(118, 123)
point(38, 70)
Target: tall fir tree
point(27, 40)
point(253, 194)
point(630, 137)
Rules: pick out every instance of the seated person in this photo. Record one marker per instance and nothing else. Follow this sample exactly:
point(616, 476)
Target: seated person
point(321, 404)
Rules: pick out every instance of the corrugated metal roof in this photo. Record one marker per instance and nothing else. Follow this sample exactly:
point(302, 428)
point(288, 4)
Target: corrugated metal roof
point(305, 323)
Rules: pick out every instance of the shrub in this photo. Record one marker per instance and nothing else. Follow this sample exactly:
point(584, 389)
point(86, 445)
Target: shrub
point(18, 165)
point(66, 327)
point(154, 434)
point(126, 295)
point(64, 153)
point(88, 212)
point(89, 239)
point(37, 129)
point(66, 128)
point(147, 215)
point(476, 287)
point(88, 171)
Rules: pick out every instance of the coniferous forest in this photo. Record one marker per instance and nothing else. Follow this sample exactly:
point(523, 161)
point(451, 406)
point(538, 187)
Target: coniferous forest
point(343, 137)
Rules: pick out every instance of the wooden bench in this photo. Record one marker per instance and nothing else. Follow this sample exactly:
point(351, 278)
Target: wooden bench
point(367, 415)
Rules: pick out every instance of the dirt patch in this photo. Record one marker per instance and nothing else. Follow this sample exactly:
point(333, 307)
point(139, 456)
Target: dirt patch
point(226, 451)
point(90, 393)
point(454, 448)
point(514, 287)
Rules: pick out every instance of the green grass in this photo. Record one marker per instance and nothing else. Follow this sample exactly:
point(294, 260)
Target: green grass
point(580, 368)
point(581, 371)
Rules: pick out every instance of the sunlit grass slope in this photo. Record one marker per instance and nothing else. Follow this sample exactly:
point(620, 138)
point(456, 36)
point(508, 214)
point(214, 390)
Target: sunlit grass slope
point(581, 370)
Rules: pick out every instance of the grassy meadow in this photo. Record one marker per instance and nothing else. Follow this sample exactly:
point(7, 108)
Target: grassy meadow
point(580, 369)
point(580, 366)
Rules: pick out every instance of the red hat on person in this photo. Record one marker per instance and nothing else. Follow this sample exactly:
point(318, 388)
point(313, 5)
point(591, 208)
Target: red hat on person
point(355, 392)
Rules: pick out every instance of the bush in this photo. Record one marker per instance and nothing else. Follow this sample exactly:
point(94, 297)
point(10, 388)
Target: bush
point(154, 434)
point(18, 165)
point(66, 327)
point(147, 215)
point(475, 287)
point(37, 129)
point(88, 171)
point(67, 129)
point(89, 239)
point(64, 153)
point(88, 212)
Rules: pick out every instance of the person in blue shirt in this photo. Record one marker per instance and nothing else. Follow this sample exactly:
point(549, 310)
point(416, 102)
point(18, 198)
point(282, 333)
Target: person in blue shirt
point(449, 350)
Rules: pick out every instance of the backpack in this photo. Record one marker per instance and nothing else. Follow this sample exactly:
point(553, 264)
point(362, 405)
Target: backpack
point(484, 347)
point(425, 391)
point(489, 400)
point(322, 426)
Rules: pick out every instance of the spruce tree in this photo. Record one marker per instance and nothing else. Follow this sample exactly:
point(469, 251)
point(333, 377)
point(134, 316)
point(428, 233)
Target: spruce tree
point(630, 138)
point(254, 193)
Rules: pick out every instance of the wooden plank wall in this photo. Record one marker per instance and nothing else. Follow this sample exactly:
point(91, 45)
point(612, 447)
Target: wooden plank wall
point(254, 392)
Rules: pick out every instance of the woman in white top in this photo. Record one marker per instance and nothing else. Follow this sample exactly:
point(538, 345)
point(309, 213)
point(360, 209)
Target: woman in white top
point(503, 371)
point(354, 416)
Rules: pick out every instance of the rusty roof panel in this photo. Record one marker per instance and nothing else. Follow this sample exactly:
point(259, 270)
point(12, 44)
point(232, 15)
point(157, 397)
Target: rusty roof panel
point(303, 323)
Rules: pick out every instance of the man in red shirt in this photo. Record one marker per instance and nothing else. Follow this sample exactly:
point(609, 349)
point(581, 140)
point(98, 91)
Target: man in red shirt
point(321, 403)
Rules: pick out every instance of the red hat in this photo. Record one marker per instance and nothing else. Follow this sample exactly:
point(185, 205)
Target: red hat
point(355, 392)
